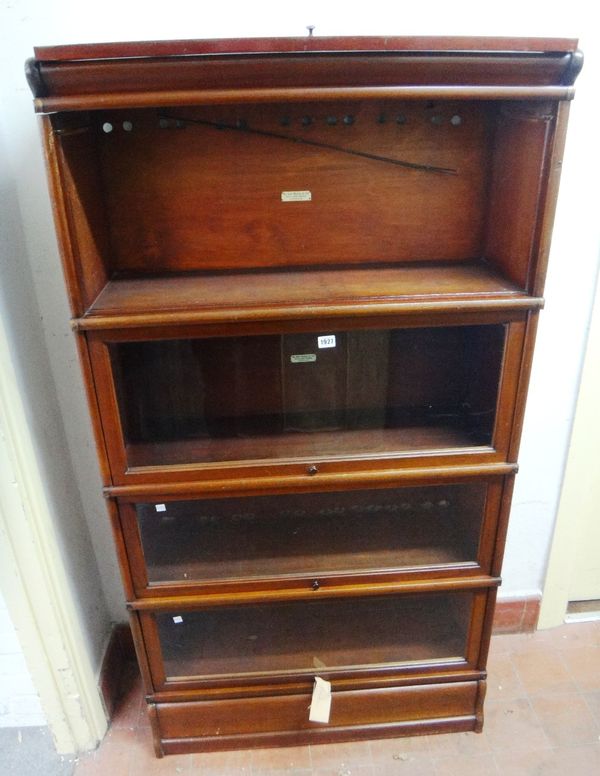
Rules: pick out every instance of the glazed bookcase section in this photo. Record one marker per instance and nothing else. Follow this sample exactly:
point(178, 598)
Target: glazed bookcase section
point(305, 277)
point(311, 540)
point(189, 405)
point(387, 203)
point(256, 644)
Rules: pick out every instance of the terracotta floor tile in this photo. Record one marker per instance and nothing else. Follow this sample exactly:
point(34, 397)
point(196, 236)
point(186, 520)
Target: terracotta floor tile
point(542, 671)
point(528, 762)
point(170, 765)
point(292, 758)
point(569, 635)
point(144, 762)
point(395, 757)
point(222, 763)
point(566, 719)
point(576, 761)
point(472, 743)
point(144, 718)
point(281, 772)
point(502, 644)
point(112, 757)
point(465, 765)
point(87, 765)
point(563, 761)
point(353, 753)
point(442, 744)
point(503, 680)
point(513, 726)
point(524, 642)
point(583, 665)
point(458, 743)
point(593, 701)
point(346, 770)
point(387, 747)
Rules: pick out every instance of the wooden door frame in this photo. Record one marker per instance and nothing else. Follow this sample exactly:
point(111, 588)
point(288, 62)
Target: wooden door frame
point(580, 492)
point(35, 585)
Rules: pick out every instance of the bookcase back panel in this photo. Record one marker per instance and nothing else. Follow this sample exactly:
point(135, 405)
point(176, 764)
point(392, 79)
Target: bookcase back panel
point(249, 186)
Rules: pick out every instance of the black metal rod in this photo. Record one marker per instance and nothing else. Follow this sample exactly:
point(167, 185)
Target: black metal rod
point(242, 127)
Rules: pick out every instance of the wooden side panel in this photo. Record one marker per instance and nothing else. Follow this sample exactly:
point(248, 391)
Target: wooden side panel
point(78, 204)
point(238, 723)
point(538, 274)
point(519, 173)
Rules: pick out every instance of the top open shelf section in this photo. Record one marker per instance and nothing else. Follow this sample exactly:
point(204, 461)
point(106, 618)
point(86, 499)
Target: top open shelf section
point(240, 180)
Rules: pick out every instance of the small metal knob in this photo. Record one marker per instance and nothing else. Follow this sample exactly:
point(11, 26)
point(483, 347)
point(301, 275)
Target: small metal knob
point(316, 584)
point(312, 470)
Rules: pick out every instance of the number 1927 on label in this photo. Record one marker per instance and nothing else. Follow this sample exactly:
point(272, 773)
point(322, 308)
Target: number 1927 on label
point(326, 341)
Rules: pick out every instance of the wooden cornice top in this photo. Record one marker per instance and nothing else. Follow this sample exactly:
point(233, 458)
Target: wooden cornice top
point(160, 73)
point(306, 44)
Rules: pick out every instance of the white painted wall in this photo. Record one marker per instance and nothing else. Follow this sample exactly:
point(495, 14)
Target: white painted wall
point(19, 702)
point(24, 23)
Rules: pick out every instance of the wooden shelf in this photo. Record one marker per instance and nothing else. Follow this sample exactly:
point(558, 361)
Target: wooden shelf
point(313, 446)
point(207, 298)
point(434, 545)
point(321, 635)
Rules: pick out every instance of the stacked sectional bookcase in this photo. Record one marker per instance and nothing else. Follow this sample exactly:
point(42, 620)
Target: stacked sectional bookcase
point(305, 276)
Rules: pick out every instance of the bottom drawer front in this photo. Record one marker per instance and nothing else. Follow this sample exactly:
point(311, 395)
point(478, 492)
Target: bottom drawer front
point(215, 721)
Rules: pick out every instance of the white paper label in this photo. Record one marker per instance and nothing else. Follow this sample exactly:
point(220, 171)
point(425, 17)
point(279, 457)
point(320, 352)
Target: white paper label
point(161, 508)
point(320, 706)
point(177, 619)
point(296, 196)
point(303, 358)
point(326, 341)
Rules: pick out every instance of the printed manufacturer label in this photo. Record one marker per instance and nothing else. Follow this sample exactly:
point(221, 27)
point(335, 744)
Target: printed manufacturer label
point(296, 196)
point(326, 341)
point(177, 619)
point(303, 358)
point(161, 508)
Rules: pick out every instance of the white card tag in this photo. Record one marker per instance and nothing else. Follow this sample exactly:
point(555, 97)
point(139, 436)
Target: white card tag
point(326, 341)
point(160, 507)
point(177, 619)
point(320, 706)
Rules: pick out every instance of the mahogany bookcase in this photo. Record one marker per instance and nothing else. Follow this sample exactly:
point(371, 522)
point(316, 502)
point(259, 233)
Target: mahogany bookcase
point(304, 277)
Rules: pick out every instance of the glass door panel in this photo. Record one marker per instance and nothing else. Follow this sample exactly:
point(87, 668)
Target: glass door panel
point(315, 636)
point(353, 393)
point(311, 533)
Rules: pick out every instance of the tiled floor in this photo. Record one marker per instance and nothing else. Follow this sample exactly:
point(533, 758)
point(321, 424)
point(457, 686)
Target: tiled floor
point(542, 717)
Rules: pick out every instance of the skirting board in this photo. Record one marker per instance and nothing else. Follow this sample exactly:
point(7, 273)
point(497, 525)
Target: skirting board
point(513, 615)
